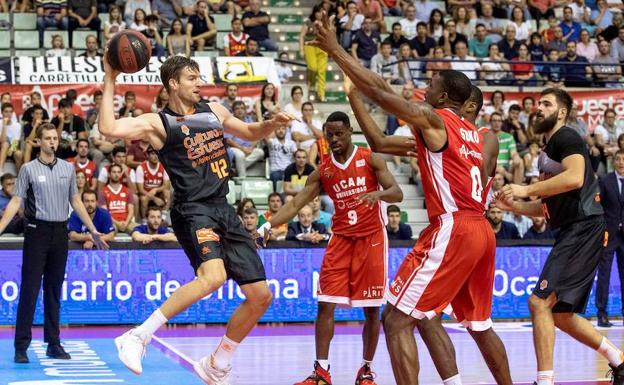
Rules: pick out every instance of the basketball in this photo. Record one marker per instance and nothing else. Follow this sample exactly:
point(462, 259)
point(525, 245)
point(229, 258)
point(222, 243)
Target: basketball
point(129, 51)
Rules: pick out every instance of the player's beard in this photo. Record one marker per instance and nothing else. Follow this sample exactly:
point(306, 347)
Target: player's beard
point(547, 124)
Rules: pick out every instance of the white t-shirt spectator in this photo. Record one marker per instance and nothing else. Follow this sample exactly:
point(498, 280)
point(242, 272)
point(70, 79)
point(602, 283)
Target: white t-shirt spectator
point(296, 112)
point(610, 135)
point(578, 12)
point(284, 72)
point(14, 130)
point(381, 66)
point(468, 68)
point(522, 30)
point(103, 177)
point(303, 128)
point(140, 173)
point(357, 21)
point(409, 28)
point(280, 154)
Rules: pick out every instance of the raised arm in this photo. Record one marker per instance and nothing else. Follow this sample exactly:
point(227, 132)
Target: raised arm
point(377, 140)
point(305, 196)
point(391, 192)
point(249, 131)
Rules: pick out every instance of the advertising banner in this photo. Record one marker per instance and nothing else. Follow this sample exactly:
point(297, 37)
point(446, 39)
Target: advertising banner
point(247, 69)
point(83, 70)
point(6, 70)
point(125, 286)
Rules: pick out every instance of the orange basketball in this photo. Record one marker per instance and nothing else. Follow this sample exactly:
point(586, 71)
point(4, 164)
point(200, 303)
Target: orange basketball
point(129, 51)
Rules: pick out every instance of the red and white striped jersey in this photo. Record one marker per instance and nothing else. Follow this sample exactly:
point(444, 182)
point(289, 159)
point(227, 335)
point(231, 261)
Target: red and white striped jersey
point(451, 178)
point(151, 178)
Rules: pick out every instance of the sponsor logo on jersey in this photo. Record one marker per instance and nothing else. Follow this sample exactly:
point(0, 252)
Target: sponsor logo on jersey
point(185, 130)
point(543, 284)
point(205, 250)
point(469, 135)
point(466, 152)
point(360, 163)
point(206, 235)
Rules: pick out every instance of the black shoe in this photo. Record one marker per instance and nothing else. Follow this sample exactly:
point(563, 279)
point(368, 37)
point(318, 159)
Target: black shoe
point(57, 351)
point(21, 357)
point(617, 374)
point(603, 321)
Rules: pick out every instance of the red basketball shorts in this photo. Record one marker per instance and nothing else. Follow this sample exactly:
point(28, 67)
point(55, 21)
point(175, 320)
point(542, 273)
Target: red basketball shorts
point(355, 270)
point(452, 264)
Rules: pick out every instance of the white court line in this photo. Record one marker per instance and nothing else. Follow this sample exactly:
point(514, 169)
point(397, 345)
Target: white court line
point(176, 351)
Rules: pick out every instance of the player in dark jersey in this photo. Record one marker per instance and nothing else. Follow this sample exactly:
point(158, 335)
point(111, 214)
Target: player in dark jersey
point(188, 135)
point(433, 333)
point(570, 201)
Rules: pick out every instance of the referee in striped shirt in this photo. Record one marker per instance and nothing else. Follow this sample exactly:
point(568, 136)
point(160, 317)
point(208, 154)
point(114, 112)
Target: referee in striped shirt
point(48, 185)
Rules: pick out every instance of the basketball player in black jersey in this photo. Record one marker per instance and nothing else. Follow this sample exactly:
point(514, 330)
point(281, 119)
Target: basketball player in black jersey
point(188, 135)
point(570, 201)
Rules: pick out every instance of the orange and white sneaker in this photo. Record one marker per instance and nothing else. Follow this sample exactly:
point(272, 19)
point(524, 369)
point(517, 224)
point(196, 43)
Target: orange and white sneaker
point(210, 374)
point(319, 376)
point(365, 376)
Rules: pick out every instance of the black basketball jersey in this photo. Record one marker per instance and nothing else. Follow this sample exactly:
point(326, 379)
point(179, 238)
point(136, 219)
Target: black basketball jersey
point(195, 155)
point(575, 205)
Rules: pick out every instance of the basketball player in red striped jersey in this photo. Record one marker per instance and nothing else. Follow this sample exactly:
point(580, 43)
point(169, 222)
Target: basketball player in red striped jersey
point(435, 337)
point(452, 262)
point(354, 269)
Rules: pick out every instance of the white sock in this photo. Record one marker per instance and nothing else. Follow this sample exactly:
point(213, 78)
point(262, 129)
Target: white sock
point(610, 352)
point(455, 380)
point(324, 364)
point(369, 363)
point(224, 353)
point(153, 323)
point(546, 377)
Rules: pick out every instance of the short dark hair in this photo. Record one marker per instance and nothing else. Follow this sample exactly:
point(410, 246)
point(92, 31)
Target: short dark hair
point(499, 92)
point(386, 42)
point(153, 208)
point(250, 39)
point(119, 149)
point(300, 150)
point(476, 96)
point(88, 192)
point(237, 103)
point(64, 103)
point(339, 116)
point(610, 110)
point(456, 84)
point(44, 127)
point(393, 209)
point(83, 140)
point(515, 107)
point(234, 19)
point(231, 85)
point(306, 104)
point(564, 100)
point(528, 98)
point(398, 24)
point(173, 67)
point(6, 176)
point(618, 152)
point(294, 89)
point(129, 93)
point(71, 94)
point(421, 24)
point(496, 113)
point(6, 105)
point(115, 165)
point(97, 93)
point(275, 194)
point(480, 25)
point(250, 211)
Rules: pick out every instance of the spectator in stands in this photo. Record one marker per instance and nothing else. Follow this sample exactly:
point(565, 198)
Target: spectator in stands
point(35, 100)
point(497, 104)
point(464, 24)
point(424, 9)
point(153, 183)
point(585, 47)
point(509, 162)
point(543, 9)
point(92, 50)
point(115, 22)
point(82, 14)
point(384, 64)
point(612, 31)
point(422, 44)
point(296, 102)
point(93, 112)
point(16, 225)
point(128, 175)
point(528, 103)
point(372, 9)
point(320, 216)
point(581, 13)
point(435, 24)
point(178, 42)
point(439, 63)
point(350, 23)
point(521, 222)
point(70, 126)
point(570, 28)
point(251, 48)
point(537, 51)
point(231, 97)
point(523, 26)
point(200, 27)
point(275, 204)
point(502, 229)
point(78, 231)
point(51, 14)
point(11, 132)
point(296, 174)
point(166, 11)
point(309, 129)
point(267, 103)
point(409, 23)
point(576, 122)
point(365, 43)
point(396, 229)
point(576, 70)
point(234, 42)
point(81, 182)
point(250, 221)
point(607, 133)
point(137, 153)
point(256, 24)
point(392, 7)
point(129, 105)
point(410, 70)
point(119, 201)
point(153, 230)
point(130, 8)
point(31, 145)
point(281, 151)
point(494, 70)
point(58, 47)
point(396, 38)
point(316, 58)
point(493, 26)
point(617, 45)
point(450, 38)
point(509, 45)
point(139, 24)
point(606, 68)
point(243, 152)
point(82, 163)
point(284, 71)
point(479, 45)
point(553, 73)
point(161, 100)
point(602, 17)
point(512, 125)
point(468, 65)
point(522, 68)
point(539, 230)
point(244, 203)
point(558, 42)
point(306, 229)
point(153, 35)
point(71, 95)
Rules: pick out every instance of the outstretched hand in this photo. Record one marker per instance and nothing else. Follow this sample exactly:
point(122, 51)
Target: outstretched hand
point(325, 30)
point(283, 119)
point(98, 241)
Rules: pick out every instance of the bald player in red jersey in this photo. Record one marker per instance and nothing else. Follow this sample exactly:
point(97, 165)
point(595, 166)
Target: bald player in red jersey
point(354, 269)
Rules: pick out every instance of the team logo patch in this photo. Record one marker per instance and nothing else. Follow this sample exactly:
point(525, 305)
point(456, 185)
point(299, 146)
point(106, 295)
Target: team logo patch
point(206, 235)
point(360, 163)
point(606, 239)
point(185, 130)
point(543, 284)
point(597, 197)
point(205, 250)
point(327, 173)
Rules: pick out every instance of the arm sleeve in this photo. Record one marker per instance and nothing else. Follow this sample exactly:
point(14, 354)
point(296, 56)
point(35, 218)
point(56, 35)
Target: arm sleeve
point(23, 182)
